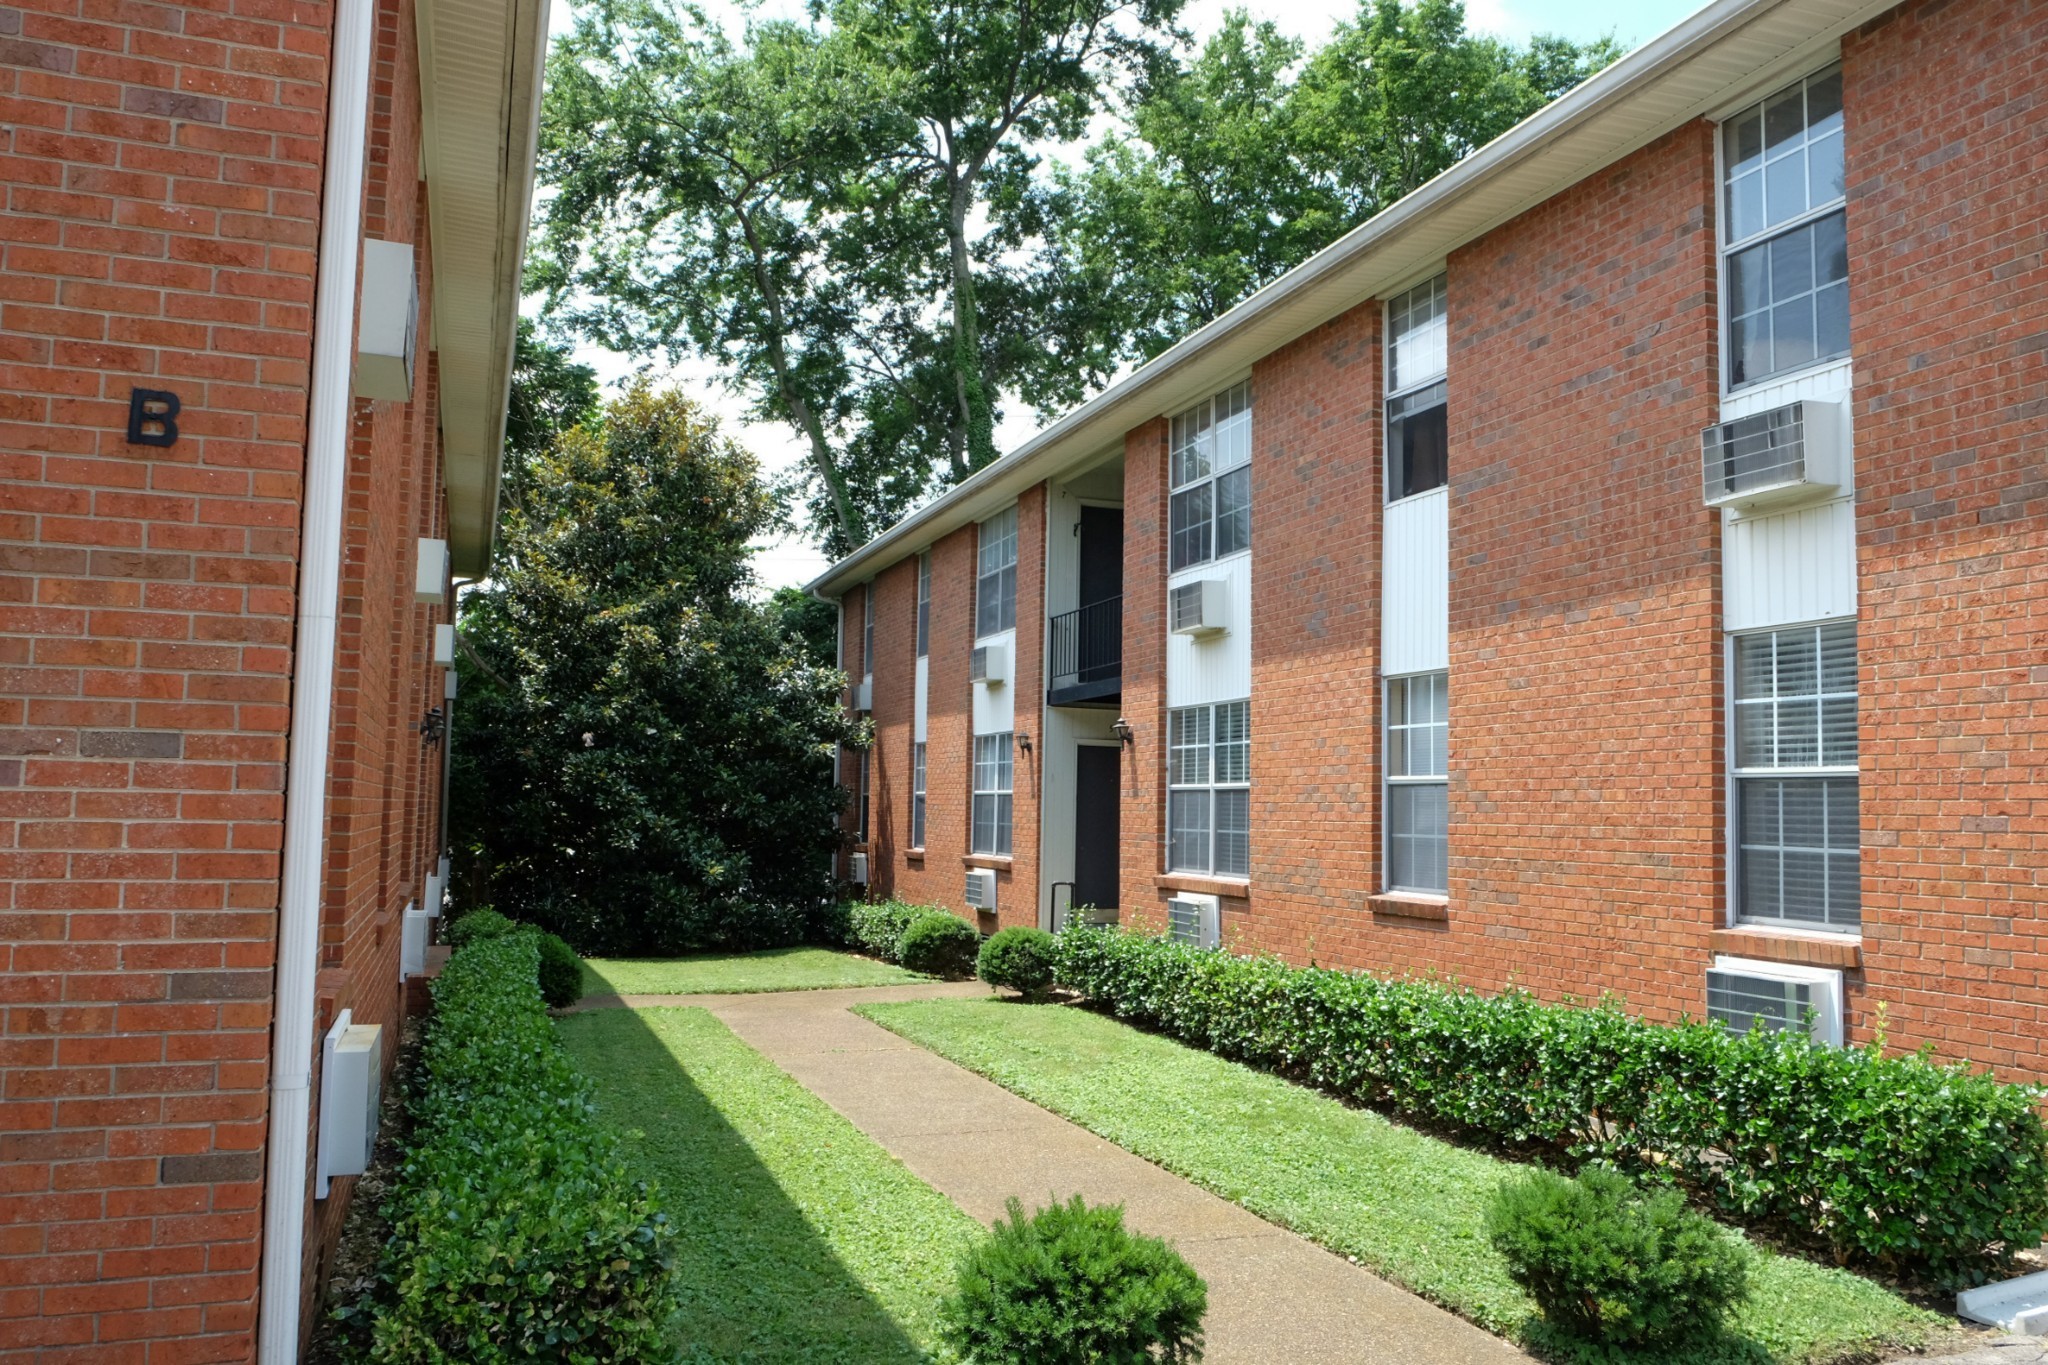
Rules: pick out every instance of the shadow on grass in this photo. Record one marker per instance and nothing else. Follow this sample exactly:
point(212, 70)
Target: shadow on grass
point(760, 1283)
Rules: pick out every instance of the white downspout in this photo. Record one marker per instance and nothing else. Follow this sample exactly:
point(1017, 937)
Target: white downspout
point(305, 810)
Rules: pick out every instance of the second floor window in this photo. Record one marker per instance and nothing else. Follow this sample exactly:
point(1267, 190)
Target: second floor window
point(1418, 414)
point(1785, 232)
point(1211, 511)
point(924, 605)
point(995, 577)
point(867, 630)
point(991, 811)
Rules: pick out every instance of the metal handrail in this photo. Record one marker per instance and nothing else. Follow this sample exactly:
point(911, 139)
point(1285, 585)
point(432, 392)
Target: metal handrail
point(1088, 643)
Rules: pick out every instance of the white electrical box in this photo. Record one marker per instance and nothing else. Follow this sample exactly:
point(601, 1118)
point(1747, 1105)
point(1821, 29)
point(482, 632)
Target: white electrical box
point(388, 325)
point(430, 586)
point(412, 942)
point(351, 1082)
point(444, 645)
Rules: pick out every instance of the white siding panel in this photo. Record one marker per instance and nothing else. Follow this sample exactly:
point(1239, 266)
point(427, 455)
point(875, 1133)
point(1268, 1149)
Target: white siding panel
point(1218, 667)
point(924, 686)
point(995, 708)
point(1789, 567)
point(1415, 615)
point(1825, 381)
point(1065, 729)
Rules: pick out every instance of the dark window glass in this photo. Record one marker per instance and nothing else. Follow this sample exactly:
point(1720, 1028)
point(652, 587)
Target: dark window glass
point(1418, 443)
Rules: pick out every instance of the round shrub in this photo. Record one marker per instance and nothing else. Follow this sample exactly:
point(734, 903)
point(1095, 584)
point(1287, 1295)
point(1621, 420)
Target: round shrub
point(478, 925)
point(1070, 1285)
point(561, 972)
point(1611, 1264)
point(1019, 958)
point(938, 944)
point(876, 927)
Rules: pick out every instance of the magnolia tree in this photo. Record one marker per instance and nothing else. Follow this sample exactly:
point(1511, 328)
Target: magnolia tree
point(644, 754)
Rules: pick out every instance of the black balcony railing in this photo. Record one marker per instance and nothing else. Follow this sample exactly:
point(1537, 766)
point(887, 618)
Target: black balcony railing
point(1087, 652)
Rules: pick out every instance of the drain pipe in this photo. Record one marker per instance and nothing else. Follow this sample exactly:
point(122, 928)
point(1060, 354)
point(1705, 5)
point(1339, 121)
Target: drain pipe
point(305, 810)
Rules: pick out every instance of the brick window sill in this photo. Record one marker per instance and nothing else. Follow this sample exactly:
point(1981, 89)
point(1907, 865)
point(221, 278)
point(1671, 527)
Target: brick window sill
point(1411, 905)
point(990, 860)
point(1843, 951)
point(1238, 887)
point(914, 856)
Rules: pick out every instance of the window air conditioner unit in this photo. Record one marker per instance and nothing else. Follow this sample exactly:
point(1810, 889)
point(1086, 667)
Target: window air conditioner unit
point(857, 870)
point(990, 664)
point(1199, 608)
point(864, 696)
point(1794, 454)
point(351, 1077)
point(430, 581)
point(1195, 920)
point(981, 889)
point(412, 942)
point(1746, 994)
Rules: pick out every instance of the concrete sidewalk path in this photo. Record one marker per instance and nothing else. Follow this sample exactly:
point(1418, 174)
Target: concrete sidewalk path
point(1274, 1298)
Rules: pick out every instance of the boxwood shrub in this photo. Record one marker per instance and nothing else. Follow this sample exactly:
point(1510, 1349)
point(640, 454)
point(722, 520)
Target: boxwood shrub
point(1927, 1171)
point(474, 926)
point(941, 944)
point(877, 927)
point(1019, 957)
point(518, 1233)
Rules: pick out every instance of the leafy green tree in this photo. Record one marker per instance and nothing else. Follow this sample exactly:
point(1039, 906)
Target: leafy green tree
point(813, 625)
point(644, 757)
point(1250, 159)
point(551, 392)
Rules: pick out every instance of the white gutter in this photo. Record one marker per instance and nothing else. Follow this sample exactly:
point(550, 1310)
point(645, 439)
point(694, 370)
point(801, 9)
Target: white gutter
point(305, 812)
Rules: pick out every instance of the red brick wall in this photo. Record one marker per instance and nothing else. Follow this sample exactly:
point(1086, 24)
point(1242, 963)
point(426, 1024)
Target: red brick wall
point(1948, 221)
point(1142, 821)
point(162, 169)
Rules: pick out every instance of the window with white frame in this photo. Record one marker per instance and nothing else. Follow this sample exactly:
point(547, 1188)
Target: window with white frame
point(917, 796)
point(1210, 514)
point(867, 630)
point(1797, 841)
point(864, 796)
point(924, 604)
point(995, 580)
point(1208, 796)
point(1784, 231)
point(991, 810)
point(1418, 750)
point(1418, 414)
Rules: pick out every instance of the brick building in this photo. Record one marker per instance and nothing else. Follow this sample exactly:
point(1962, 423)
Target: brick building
point(257, 302)
point(1622, 565)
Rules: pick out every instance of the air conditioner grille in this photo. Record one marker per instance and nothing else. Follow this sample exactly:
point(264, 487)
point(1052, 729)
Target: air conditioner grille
point(1184, 922)
point(1745, 1002)
point(1187, 606)
point(1764, 450)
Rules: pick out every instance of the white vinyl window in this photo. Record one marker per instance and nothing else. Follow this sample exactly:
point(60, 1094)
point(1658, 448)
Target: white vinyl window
point(992, 778)
point(995, 580)
point(924, 604)
point(1418, 421)
point(1210, 514)
point(1784, 231)
point(1797, 840)
point(864, 796)
point(1208, 797)
point(867, 631)
point(917, 796)
point(1418, 748)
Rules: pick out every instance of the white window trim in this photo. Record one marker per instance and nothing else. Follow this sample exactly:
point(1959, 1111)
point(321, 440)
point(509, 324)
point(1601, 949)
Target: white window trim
point(1016, 558)
point(867, 631)
point(976, 792)
point(1725, 248)
point(921, 622)
point(920, 807)
point(1388, 781)
point(1193, 566)
point(1212, 786)
point(1390, 393)
point(1732, 914)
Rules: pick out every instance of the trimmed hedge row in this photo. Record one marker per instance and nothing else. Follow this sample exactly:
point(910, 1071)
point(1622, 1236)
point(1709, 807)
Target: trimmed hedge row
point(877, 927)
point(517, 1231)
point(1925, 1170)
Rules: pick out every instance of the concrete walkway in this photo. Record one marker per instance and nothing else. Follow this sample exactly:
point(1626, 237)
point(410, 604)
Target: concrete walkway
point(1274, 1298)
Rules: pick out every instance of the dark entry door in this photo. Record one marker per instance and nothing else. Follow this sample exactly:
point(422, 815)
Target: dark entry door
point(1097, 783)
point(1102, 554)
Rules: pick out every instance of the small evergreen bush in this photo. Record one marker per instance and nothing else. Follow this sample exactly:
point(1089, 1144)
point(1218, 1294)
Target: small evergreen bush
point(1019, 958)
point(832, 924)
point(1609, 1264)
point(939, 944)
point(1070, 1285)
point(519, 1232)
point(561, 971)
point(1929, 1171)
point(876, 927)
point(478, 925)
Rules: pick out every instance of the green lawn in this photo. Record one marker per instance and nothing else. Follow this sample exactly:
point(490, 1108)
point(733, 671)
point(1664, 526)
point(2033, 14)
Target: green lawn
point(777, 969)
point(802, 1241)
point(1400, 1203)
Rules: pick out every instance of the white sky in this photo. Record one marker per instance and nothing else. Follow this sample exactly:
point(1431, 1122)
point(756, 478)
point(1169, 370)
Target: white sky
point(794, 560)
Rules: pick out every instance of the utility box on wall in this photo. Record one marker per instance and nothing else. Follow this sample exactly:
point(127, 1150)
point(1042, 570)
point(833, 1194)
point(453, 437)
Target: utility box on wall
point(387, 329)
point(351, 1084)
point(430, 582)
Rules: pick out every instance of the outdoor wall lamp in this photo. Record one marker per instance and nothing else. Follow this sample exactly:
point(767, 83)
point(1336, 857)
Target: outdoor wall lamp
point(1125, 735)
point(432, 726)
point(1024, 740)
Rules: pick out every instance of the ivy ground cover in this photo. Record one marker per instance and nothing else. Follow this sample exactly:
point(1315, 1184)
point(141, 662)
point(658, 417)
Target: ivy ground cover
point(799, 1239)
point(1405, 1205)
